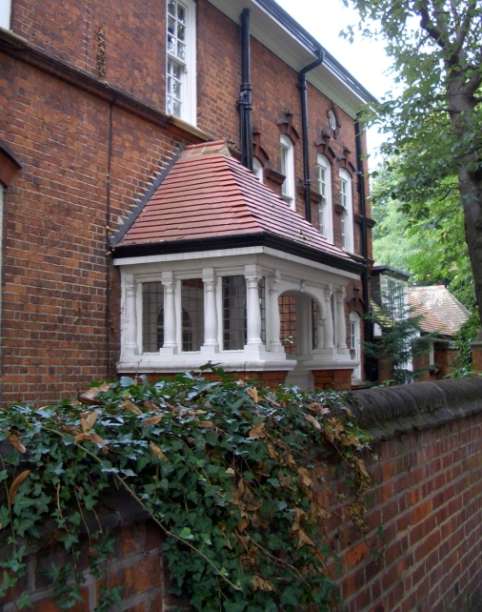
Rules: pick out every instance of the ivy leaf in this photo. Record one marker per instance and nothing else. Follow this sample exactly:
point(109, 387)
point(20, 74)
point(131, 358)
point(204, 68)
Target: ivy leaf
point(186, 534)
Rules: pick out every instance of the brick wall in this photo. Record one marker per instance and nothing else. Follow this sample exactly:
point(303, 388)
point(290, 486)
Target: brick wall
point(87, 161)
point(422, 550)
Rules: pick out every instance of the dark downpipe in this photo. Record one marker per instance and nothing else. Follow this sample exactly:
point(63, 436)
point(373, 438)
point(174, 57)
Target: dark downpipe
point(246, 92)
point(302, 84)
point(367, 325)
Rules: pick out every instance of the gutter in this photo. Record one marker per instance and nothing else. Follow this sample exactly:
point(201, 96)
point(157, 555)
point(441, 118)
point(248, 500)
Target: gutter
point(303, 87)
point(246, 92)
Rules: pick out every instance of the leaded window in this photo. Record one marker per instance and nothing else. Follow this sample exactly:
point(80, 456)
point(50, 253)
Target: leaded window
point(234, 312)
point(192, 301)
point(152, 317)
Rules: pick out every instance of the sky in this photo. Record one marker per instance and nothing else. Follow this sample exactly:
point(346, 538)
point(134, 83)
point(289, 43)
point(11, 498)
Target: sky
point(364, 58)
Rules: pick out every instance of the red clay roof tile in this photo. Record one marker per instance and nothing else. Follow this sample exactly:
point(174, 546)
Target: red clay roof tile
point(208, 193)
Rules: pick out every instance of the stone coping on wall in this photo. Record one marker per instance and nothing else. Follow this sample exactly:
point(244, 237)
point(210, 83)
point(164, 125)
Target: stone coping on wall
point(389, 411)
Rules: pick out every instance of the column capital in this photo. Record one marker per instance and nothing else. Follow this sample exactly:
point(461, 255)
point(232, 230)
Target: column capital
point(167, 279)
point(208, 275)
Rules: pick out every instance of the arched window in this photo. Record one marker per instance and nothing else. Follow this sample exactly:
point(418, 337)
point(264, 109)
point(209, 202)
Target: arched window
point(346, 203)
point(287, 157)
point(258, 169)
point(323, 184)
point(355, 343)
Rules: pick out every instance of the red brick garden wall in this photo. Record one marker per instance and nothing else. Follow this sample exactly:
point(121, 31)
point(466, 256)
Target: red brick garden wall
point(422, 549)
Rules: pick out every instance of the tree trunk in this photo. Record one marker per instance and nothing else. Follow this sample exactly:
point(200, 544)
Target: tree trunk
point(463, 120)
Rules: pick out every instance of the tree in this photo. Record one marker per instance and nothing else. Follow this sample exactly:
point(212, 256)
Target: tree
point(437, 52)
point(425, 238)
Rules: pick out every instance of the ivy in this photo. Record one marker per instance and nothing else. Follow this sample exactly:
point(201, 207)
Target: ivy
point(224, 469)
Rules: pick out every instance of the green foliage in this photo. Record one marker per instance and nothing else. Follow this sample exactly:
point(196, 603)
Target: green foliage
point(425, 237)
point(433, 128)
point(225, 470)
point(399, 343)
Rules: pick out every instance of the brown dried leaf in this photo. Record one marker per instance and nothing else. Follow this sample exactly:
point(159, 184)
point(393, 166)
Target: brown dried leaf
point(87, 421)
point(131, 407)
point(157, 452)
point(257, 432)
point(272, 452)
point(207, 424)
point(16, 442)
point(313, 421)
point(260, 584)
point(91, 395)
point(243, 524)
point(305, 477)
point(150, 405)
point(303, 538)
point(89, 437)
point(253, 394)
point(154, 420)
point(317, 408)
point(12, 491)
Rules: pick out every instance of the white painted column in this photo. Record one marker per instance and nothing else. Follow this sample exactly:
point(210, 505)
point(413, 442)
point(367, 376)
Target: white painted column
point(273, 321)
point(328, 319)
point(341, 319)
point(168, 283)
point(253, 276)
point(210, 344)
point(129, 316)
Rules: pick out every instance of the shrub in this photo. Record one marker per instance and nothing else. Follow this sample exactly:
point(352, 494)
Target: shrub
point(223, 468)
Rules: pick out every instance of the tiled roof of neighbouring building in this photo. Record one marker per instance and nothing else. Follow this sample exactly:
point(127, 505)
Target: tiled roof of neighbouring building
point(209, 194)
point(440, 311)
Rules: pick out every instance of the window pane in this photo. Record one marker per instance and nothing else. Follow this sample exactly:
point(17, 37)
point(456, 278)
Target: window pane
point(192, 302)
point(288, 319)
point(262, 307)
point(234, 312)
point(172, 8)
point(315, 325)
point(152, 317)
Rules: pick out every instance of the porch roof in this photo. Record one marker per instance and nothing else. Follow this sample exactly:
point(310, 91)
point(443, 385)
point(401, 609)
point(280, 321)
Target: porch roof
point(208, 196)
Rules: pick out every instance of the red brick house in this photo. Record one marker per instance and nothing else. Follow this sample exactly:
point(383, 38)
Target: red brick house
point(128, 244)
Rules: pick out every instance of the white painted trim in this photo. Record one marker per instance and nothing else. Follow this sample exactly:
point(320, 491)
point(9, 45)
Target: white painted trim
point(220, 253)
point(5, 14)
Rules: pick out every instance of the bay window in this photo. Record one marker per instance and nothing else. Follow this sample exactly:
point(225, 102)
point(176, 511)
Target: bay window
point(325, 210)
point(152, 317)
point(234, 312)
point(346, 204)
point(181, 60)
point(192, 305)
point(287, 157)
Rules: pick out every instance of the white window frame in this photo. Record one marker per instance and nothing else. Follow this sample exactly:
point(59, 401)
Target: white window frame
point(258, 169)
point(287, 164)
point(346, 203)
point(188, 97)
point(325, 210)
point(355, 344)
point(5, 14)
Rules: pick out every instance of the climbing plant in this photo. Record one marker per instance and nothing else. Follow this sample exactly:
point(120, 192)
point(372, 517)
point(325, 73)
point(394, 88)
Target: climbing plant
point(225, 470)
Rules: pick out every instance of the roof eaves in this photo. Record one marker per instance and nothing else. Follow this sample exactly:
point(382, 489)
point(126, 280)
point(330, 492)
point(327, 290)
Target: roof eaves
point(310, 43)
point(134, 214)
point(261, 238)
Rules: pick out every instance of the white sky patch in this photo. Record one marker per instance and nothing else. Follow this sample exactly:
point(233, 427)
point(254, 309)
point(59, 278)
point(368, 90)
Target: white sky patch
point(364, 58)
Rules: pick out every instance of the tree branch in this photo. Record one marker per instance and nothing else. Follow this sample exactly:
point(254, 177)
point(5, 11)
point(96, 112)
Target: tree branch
point(428, 25)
